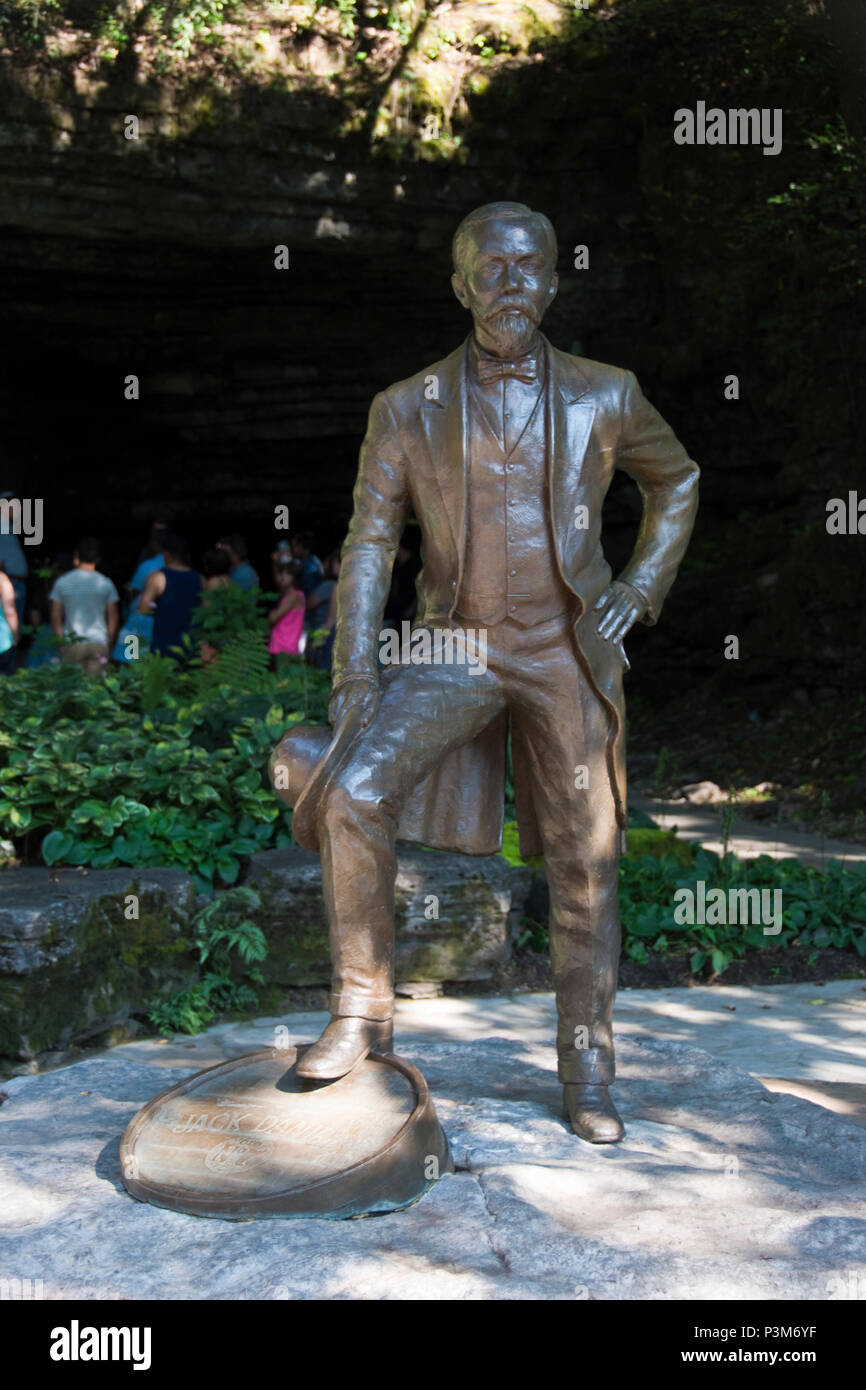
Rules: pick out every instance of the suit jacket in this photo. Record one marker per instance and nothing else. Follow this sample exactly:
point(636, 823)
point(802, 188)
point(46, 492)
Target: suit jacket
point(414, 456)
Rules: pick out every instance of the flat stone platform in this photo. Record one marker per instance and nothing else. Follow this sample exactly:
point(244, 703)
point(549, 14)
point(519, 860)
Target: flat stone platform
point(721, 1189)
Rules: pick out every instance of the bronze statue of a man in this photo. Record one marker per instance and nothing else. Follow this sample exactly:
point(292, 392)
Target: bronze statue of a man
point(504, 451)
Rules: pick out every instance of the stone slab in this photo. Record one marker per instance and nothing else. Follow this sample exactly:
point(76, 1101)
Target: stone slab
point(842, 1097)
point(815, 1032)
point(78, 957)
point(721, 1189)
point(78, 961)
point(454, 915)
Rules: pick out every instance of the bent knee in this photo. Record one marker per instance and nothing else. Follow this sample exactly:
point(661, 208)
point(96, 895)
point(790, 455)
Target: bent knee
point(350, 798)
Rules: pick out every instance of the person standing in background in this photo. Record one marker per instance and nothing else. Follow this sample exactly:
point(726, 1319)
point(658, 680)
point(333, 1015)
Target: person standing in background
point(84, 605)
point(287, 617)
point(279, 555)
point(9, 625)
point(152, 547)
point(319, 598)
point(14, 563)
point(171, 594)
point(312, 572)
point(152, 558)
point(136, 624)
point(216, 568)
point(242, 572)
point(43, 646)
point(322, 614)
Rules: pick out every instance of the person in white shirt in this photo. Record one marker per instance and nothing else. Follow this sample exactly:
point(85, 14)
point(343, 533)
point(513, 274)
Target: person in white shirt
point(85, 606)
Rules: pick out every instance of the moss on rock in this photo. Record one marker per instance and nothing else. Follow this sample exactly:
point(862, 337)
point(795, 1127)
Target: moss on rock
point(79, 964)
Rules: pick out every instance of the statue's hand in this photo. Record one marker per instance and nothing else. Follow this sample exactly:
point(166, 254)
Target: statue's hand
point(355, 693)
point(619, 608)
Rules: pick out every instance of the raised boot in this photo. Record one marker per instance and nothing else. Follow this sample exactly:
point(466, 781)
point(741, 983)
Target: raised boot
point(345, 1042)
point(592, 1113)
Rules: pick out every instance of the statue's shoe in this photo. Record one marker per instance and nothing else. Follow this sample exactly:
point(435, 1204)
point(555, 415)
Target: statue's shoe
point(344, 1043)
point(592, 1113)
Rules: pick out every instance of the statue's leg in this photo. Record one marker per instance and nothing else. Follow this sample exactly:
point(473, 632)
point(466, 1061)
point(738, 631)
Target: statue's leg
point(423, 713)
point(560, 731)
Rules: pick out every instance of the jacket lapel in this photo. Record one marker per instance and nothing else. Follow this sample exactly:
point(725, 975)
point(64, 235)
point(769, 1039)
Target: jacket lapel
point(444, 420)
point(571, 412)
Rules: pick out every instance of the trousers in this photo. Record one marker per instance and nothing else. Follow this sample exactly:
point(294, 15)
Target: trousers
point(558, 731)
point(90, 656)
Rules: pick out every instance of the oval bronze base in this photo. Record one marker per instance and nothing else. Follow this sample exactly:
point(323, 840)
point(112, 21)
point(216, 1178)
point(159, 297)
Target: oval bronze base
point(250, 1138)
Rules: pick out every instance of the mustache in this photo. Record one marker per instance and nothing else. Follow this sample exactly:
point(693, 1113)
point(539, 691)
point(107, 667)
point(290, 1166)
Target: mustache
point(504, 306)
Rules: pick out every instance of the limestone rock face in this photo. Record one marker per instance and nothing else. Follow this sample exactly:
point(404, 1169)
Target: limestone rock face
point(453, 915)
point(75, 960)
point(80, 951)
point(156, 257)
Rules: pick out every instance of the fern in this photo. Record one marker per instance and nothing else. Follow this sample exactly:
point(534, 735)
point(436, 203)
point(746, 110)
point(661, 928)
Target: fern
point(228, 612)
point(155, 673)
point(232, 621)
point(243, 664)
point(224, 937)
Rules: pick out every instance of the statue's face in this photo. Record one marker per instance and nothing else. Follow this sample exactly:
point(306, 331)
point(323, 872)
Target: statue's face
point(507, 281)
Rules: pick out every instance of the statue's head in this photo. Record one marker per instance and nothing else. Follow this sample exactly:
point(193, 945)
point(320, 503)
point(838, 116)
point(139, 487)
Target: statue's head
point(505, 273)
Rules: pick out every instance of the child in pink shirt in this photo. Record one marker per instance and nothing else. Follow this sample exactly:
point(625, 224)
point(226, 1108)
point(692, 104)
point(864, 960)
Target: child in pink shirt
point(287, 618)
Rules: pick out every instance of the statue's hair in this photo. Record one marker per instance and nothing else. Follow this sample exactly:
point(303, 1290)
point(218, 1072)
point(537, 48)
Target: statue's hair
point(515, 212)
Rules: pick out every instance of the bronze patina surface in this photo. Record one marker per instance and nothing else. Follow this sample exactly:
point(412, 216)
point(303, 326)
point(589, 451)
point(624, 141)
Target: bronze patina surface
point(249, 1138)
point(504, 452)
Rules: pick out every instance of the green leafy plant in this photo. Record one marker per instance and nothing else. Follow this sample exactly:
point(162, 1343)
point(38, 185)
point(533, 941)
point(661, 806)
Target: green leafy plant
point(28, 21)
point(232, 623)
point(348, 12)
point(145, 767)
point(820, 909)
point(228, 612)
point(230, 946)
point(155, 672)
point(534, 935)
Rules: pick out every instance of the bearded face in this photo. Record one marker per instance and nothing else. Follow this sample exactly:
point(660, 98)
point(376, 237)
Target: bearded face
point(511, 328)
point(506, 280)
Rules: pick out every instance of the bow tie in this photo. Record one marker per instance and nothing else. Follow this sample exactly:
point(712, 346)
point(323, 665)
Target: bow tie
point(495, 368)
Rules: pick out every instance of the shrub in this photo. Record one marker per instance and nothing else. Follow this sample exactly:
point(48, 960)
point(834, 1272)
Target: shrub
point(819, 908)
point(155, 764)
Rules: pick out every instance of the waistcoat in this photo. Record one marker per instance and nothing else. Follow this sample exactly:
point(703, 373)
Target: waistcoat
point(509, 571)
